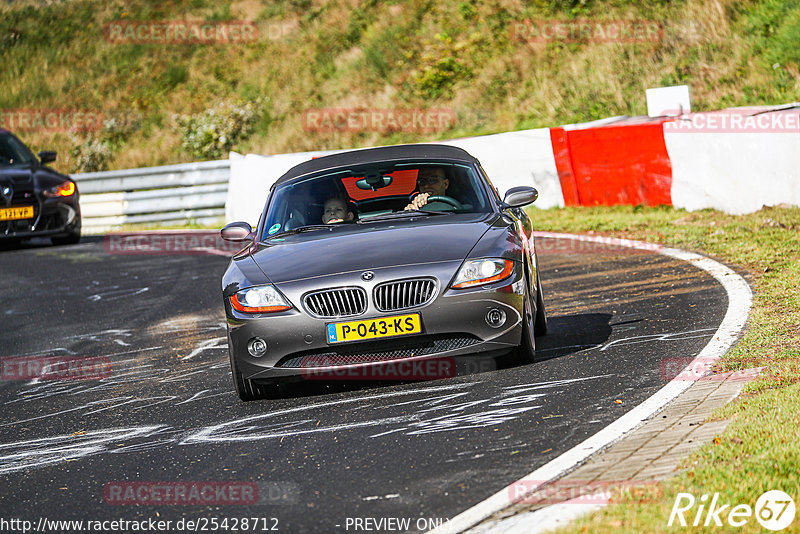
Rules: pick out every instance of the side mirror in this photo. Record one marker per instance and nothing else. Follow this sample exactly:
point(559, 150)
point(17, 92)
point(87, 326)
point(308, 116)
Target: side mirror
point(516, 197)
point(237, 231)
point(47, 156)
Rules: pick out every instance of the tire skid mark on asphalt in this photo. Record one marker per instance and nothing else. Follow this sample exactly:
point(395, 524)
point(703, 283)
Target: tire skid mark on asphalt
point(440, 409)
point(679, 336)
point(123, 371)
point(583, 306)
point(509, 404)
point(40, 452)
point(114, 294)
point(122, 375)
point(632, 340)
point(219, 432)
point(576, 265)
point(560, 277)
point(513, 390)
point(201, 395)
point(648, 284)
point(209, 344)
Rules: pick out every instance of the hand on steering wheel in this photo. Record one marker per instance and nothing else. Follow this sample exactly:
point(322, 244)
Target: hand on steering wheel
point(422, 199)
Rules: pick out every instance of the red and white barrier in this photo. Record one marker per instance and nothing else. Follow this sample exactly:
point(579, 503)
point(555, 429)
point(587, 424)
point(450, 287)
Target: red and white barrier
point(623, 162)
point(734, 160)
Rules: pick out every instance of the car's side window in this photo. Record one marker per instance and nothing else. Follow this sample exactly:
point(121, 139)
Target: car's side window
point(492, 188)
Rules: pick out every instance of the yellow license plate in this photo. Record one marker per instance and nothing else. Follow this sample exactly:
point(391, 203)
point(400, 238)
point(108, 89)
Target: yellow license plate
point(13, 214)
point(398, 325)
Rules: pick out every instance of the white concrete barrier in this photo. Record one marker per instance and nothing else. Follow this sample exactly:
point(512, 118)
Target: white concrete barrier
point(251, 177)
point(510, 159)
point(735, 160)
point(518, 158)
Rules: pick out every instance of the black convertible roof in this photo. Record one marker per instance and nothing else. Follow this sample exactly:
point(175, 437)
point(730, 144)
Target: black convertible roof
point(384, 154)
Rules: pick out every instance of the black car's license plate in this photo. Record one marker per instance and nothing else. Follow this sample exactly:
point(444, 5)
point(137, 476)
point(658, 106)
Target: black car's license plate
point(397, 325)
point(14, 214)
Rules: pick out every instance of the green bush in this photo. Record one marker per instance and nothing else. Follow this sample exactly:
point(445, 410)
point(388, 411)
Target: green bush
point(96, 152)
point(437, 80)
point(91, 155)
point(212, 133)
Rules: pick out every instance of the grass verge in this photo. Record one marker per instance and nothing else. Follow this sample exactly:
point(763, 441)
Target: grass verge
point(759, 450)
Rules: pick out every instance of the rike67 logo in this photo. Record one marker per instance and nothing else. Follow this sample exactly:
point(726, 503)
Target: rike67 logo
point(774, 510)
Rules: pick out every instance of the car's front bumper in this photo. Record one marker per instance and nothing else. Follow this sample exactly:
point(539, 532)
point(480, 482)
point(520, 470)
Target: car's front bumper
point(454, 325)
point(52, 218)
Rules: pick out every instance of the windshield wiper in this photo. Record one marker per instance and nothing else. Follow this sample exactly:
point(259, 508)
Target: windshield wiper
point(307, 228)
point(402, 214)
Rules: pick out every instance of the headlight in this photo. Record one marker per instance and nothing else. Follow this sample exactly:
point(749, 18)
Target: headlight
point(259, 299)
point(480, 272)
point(63, 190)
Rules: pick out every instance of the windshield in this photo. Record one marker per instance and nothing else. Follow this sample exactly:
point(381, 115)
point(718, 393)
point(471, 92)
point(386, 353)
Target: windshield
point(12, 151)
point(363, 194)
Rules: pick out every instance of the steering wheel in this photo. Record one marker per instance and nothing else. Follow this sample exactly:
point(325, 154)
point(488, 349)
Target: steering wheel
point(442, 198)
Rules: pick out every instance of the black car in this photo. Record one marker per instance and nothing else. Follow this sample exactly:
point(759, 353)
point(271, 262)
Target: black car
point(394, 255)
point(35, 200)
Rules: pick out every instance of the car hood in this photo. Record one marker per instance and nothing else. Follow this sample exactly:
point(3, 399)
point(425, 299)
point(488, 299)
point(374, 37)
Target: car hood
point(15, 175)
point(372, 245)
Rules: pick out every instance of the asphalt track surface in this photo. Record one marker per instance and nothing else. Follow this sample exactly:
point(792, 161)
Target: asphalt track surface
point(326, 454)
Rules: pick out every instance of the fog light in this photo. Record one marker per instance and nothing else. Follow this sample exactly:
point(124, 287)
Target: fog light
point(257, 347)
point(496, 318)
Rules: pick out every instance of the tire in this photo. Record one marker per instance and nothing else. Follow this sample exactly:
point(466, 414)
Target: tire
point(71, 239)
point(526, 351)
point(540, 325)
point(247, 390)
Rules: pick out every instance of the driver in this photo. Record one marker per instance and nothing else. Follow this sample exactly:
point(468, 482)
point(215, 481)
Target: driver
point(431, 181)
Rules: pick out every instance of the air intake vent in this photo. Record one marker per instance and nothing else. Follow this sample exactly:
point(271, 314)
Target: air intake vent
point(361, 353)
point(341, 302)
point(404, 294)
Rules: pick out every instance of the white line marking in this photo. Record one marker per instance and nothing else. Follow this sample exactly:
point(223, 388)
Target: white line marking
point(740, 299)
point(377, 497)
point(209, 344)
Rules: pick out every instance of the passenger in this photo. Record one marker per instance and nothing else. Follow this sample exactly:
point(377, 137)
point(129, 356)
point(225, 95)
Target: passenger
point(431, 181)
point(336, 211)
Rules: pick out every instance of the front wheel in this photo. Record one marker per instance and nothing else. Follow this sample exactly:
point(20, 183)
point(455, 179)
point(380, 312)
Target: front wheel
point(540, 325)
point(72, 238)
point(246, 389)
point(526, 351)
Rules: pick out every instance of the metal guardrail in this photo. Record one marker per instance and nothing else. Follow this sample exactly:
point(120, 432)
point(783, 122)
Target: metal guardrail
point(169, 194)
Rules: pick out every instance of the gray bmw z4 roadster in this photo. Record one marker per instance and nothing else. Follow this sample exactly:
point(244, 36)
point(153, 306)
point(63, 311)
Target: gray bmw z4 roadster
point(400, 256)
